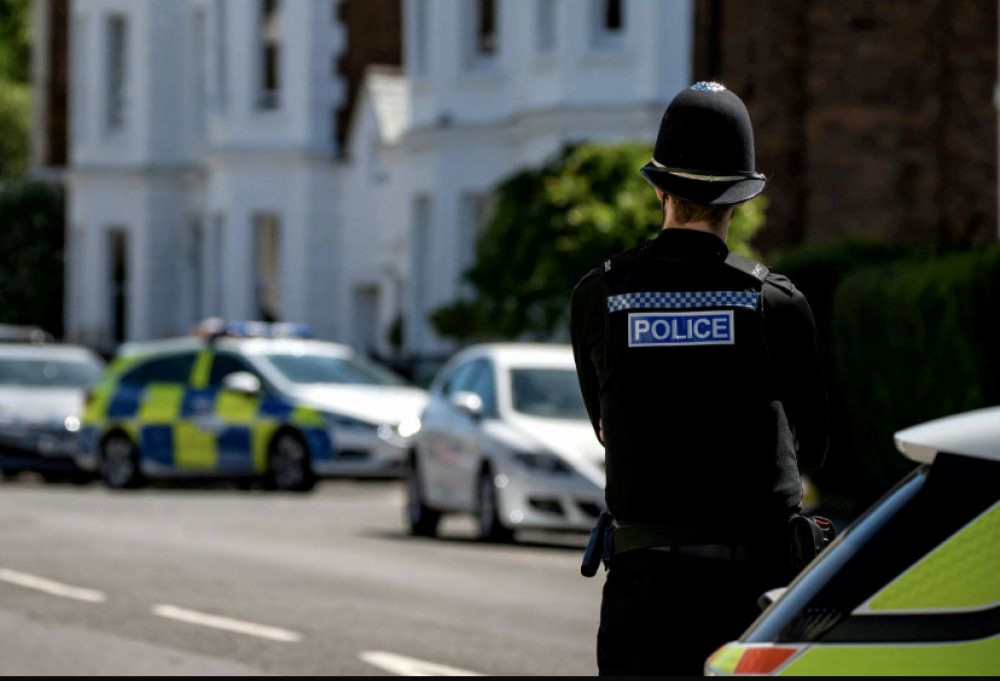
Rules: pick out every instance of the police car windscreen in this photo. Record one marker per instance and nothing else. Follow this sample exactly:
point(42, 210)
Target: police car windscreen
point(548, 393)
point(38, 373)
point(331, 369)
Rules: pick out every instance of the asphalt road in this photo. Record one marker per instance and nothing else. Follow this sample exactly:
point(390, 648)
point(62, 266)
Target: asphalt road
point(217, 581)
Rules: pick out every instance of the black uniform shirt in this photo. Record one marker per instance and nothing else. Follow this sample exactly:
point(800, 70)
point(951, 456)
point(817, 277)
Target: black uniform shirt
point(706, 437)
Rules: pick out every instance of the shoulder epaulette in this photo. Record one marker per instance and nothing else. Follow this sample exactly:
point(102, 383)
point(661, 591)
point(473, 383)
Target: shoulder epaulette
point(781, 282)
point(626, 257)
point(748, 266)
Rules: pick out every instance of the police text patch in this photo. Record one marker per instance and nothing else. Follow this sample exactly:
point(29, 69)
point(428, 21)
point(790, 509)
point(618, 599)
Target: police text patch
point(667, 329)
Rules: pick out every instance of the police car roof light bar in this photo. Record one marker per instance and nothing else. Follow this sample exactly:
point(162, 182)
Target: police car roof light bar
point(218, 328)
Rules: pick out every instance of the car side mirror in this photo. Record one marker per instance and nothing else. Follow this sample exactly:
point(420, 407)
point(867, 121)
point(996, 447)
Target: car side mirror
point(243, 382)
point(768, 598)
point(470, 403)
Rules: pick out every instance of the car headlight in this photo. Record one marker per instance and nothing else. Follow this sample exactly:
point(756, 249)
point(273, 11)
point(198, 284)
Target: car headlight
point(337, 422)
point(546, 464)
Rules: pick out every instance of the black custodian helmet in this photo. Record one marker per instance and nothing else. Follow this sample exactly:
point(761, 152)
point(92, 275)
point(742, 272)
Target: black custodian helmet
point(704, 151)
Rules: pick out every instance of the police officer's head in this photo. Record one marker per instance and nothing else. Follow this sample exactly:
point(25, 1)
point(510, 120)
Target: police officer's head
point(704, 158)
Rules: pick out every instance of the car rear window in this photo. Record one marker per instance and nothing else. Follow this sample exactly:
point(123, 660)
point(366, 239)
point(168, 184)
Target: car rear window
point(46, 373)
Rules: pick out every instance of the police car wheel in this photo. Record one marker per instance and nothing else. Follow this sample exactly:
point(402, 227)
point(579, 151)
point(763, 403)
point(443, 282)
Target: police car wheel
point(491, 528)
point(290, 469)
point(423, 519)
point(120, 463)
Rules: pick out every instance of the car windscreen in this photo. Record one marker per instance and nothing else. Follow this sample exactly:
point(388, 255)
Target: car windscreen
point(319, 369)
point(48, 373)
point(546, 392)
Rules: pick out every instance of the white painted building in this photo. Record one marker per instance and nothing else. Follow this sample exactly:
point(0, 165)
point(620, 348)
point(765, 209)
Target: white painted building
point(204, 178)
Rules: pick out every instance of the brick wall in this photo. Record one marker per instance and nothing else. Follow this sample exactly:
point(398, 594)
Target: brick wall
point(874, 119)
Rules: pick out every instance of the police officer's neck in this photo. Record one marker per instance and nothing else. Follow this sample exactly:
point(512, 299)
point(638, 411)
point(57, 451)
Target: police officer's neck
point(720, 231)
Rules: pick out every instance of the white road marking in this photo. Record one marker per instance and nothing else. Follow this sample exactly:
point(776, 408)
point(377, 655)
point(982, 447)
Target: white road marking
point(240, 627)
point(409, 666)
point(52, 588)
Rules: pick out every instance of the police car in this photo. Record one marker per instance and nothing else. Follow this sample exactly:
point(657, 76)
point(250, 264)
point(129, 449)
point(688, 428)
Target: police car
point(506, 437)
point(248, 400)
point(912, 588)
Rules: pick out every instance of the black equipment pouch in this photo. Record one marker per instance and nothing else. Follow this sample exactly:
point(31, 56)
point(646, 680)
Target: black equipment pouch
point(599, 547)
point(809, 536)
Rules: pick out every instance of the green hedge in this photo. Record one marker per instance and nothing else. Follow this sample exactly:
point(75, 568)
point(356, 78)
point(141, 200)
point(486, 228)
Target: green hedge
point(914, 341)
point(817, 270)
point(31, 255)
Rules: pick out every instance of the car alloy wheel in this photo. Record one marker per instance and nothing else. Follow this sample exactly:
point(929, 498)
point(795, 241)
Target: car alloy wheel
point(491, 529)
point(119, 463)
point(290, 469)
point(422, 519)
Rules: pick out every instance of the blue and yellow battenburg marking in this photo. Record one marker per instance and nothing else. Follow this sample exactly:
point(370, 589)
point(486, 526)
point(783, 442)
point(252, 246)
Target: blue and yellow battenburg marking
point(683, 300)
point(199, 429)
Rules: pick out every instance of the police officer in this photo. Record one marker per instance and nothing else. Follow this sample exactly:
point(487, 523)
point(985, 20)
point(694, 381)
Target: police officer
point(701, 374)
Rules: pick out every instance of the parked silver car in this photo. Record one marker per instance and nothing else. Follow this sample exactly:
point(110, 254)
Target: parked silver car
point(42, 391)
point(506, 437)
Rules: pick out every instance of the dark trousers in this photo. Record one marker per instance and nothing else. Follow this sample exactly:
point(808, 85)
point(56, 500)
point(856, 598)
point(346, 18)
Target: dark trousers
point(666, 613)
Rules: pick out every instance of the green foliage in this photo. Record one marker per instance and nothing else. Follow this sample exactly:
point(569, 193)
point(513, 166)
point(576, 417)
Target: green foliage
point(915, 341)
point(818, 269)
point(15, 136)
point(31, 255)
point(552, 225)
point(15, 41)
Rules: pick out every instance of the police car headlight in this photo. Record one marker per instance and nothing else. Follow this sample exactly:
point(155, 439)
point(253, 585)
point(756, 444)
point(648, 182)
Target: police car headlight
point(545, 464)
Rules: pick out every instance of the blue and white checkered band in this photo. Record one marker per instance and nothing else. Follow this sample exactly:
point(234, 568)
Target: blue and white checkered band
point(706, 86)
point(684, 300)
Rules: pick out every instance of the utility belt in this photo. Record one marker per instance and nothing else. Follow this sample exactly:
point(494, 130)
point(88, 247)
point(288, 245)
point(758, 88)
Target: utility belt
point(807, 537)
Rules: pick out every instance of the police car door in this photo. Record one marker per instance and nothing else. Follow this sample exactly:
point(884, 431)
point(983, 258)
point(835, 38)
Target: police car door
point(231, 423)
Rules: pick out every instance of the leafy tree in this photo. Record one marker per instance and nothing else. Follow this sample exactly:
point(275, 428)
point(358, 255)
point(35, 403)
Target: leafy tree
point(15, 74)
point(15, 136)
point(15, 41)
point(552, 225)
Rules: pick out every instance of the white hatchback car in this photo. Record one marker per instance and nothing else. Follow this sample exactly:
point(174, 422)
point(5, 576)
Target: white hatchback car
point(506, 437)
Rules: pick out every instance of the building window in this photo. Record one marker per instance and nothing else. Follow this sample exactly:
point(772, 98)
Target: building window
point(80, 98)
point(116, 72)
point(270, 54)
point(213, 267)
point(608, 22)
point(267, 232)
point(482, 31)
point(220, 56)
point(421, 270)
point(118, 283)
point(475, 212)
point(486, 28)
point(199, 58)
point(546, 26)
point(419, 48)
point(194, 268)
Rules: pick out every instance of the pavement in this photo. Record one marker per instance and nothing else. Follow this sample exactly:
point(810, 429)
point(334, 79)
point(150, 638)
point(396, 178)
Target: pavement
point(224, 582)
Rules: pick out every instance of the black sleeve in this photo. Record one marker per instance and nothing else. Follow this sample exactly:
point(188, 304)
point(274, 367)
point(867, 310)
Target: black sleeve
point(793, 344)
point(586, 321)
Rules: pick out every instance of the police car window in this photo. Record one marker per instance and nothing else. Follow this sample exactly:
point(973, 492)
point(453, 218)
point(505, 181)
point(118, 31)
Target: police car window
point(549, 393)
point(319, 369)
point(173, 369)
point(225, 364)
point(484, 385)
